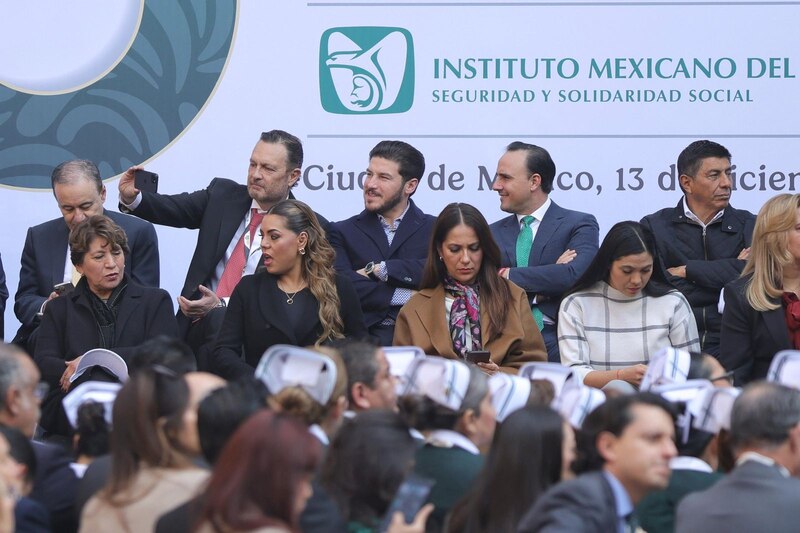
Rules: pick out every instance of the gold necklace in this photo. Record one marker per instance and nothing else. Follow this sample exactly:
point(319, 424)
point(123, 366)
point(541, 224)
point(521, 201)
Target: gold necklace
point(290, 296)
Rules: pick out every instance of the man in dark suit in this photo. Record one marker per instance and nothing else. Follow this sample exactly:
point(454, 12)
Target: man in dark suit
point(625, 447)
point(761, 492)
point(383, 249)
point(226, 213)
point(703, 241)
point(80, 193)
point(55, 484)
point(564, 242)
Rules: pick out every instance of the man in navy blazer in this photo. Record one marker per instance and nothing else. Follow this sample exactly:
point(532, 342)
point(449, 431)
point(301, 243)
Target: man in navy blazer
point(760, 494)
point(564, 241)
point(383, 249)
point(221, 212)
point(80, 193)
point(624, 450)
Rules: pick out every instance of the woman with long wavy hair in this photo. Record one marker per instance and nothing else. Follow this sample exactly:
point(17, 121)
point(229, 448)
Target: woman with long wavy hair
point(297, 299)
point(463, 304)
point(762, 308)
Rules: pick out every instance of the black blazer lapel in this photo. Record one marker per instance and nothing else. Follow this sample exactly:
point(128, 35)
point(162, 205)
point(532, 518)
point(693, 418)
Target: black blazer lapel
point(130, 301)
point(775, 322)
point(507, 237)
point(369, 224)
point(409, 225)
point(55, 255)
point(233, 211)
point(547, 227)
point(269, 296)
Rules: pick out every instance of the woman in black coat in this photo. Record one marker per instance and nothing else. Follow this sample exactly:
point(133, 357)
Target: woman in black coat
point(298, 300)
point(106, 310)
point(762, 308)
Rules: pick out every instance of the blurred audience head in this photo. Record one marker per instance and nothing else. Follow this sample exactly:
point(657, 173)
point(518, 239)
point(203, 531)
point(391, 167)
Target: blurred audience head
point(20, 390)
point(370, 384)
point(263, 476)
point(223, 410)
point(168, 352)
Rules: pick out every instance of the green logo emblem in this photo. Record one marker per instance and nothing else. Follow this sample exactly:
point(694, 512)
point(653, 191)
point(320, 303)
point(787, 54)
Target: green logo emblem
point(366, 70)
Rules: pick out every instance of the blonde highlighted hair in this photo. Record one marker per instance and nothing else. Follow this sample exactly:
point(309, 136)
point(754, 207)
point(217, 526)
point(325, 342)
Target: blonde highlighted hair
point(317, 265)
point(769, 253)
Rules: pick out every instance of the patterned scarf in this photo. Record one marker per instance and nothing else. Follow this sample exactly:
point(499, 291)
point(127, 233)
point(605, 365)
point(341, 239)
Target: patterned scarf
point(792, 315)
point(466, 305)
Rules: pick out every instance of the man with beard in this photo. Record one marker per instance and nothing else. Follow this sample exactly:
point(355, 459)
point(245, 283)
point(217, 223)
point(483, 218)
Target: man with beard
point(228, 215)
point(383, 249)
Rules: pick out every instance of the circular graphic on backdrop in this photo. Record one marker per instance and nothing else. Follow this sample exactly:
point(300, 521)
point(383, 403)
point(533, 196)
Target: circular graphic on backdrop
point(133, 112)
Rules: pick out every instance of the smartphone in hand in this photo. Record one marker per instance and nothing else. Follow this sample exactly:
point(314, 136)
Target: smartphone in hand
point(409, 499)
point(63, 288)
point(145, 181)
point(477, 356)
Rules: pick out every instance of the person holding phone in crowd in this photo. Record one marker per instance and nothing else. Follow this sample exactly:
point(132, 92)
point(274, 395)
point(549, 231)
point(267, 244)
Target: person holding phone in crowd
point(463, 305)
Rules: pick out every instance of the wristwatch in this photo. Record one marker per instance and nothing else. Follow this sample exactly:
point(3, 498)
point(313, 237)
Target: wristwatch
point(369, 270)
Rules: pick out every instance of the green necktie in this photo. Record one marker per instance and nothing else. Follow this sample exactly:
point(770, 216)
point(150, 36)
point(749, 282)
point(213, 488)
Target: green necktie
point(524, 243)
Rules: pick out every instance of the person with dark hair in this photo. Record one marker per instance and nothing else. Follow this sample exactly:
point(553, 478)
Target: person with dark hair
point(622, 311)
point(18, 471)
point(227, 215)
point(370, 384)
point(545, 248)
point(45, 263)
point(106, 310)
point(262, 478)
point(54, 485)
point(169, 352)
point(463, 305)
point(382, 249)
point(367, 462)
point(297, 300)
point(624, 450)
point(703, 241)
point(151, 472)
point(697, 465)
point(91, 436)
point(219, 415)
point(762, 307)
point(451, 404)
point(532, 450)
point(760, 494)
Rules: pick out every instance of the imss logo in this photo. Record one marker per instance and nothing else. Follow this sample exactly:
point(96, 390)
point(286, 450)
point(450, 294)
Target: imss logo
point(366, 70)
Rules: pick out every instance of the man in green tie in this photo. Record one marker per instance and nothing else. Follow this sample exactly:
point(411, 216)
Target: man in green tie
point(545, 248)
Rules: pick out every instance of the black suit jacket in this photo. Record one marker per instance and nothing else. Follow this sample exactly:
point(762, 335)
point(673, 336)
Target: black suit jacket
point(561, 229)
point(750, 338)
point(69, 328)
point(55, 486)
point(44, 256)
point(585, 504)
point(361, 239)
point(754, 497)
point(255, 320)
point(217, 211)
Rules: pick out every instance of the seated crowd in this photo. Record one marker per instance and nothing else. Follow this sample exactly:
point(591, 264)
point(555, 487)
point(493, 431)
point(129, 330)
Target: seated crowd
point(403, 372)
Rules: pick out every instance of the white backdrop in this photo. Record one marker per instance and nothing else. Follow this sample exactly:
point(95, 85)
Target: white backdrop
point(284, 52)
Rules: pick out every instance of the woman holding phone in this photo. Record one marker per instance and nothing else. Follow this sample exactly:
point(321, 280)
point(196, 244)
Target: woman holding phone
point(463, 305)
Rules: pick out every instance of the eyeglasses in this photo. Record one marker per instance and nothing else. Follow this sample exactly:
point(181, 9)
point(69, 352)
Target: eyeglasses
point(727, 376)
point(40, 390)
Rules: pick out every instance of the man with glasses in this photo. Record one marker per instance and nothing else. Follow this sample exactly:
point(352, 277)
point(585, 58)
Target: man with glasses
point(21, 392)
point(228, 216)
point(703, 242)
point(545, 248)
